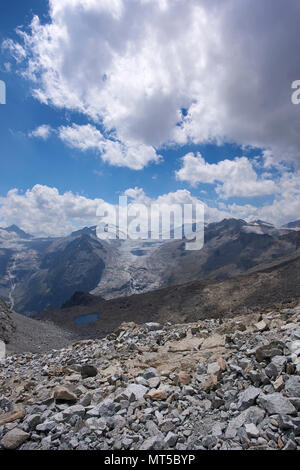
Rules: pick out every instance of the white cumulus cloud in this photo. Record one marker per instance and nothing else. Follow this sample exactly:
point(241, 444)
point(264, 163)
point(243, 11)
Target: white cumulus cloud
point(235, 178)
point(134, 65)
point(133, 155)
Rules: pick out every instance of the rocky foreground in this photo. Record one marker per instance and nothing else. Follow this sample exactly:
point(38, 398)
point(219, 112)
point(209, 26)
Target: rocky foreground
point(231, 384)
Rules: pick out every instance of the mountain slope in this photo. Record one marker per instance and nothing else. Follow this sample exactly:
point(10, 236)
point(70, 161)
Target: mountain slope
point(42, 273)
point(294, 225)
point(37, 274)
point(21, 333)
point(232, 247)
point(268, 286)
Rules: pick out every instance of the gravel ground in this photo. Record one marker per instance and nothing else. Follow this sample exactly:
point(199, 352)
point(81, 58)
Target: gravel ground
point(27, 334)
point(217, 384)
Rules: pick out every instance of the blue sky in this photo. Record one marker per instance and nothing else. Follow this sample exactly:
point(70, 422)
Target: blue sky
point(115, 116)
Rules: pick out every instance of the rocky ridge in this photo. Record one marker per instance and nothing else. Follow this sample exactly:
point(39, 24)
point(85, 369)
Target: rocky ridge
point(213, 384)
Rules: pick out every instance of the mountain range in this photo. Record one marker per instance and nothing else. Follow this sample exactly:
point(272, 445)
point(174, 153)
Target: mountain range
point(38, 274)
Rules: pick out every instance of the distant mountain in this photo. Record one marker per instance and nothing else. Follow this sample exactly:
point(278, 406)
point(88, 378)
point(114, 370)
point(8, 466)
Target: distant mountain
point(295, 224)
point(17, 231)
point(43, 273)
point(231, 247)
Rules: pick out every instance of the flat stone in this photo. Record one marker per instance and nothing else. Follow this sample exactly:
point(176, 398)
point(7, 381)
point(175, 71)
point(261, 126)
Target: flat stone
point(86, 399)
point(64, 394)
point(252, 430)
point(14, 415)
point(186, 344)
point(248, 397)
point(14, 439)
point(137, 390)
point(217, 429)
point(46, 426)
point(157, 395)
point(76, 410)
point(261, 326)
point(154, 382)
point(213, 341)
point(275, 403)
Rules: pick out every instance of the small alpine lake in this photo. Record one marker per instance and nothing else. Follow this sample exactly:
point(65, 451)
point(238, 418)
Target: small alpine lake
point(87, 319)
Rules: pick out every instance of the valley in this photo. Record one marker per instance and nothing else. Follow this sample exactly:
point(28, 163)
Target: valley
point(39, 274)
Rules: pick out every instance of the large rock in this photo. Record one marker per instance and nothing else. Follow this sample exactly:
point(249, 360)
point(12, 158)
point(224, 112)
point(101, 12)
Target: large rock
point(135, 392)
point(153, 443)
point(185, 344)
point(262, 326)
point(32, 421)
point(280, 363)
point(17, 413)
point(105, 409)
point(76, 410)
point(253, 415)
point(213, 341)
point(14, 439)
point(248, 397)
point(157, 395)
point(294, 347)
point(275, 403)
point(252, 430)
point(292, 386)
point(268, 351)
point(88, 370)
point(64, 394)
